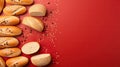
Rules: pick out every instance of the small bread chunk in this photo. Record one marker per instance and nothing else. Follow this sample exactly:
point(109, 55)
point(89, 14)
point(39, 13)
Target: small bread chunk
point(34, 23)
point(20, 2)
point(14, 10)
point(9, 20)
point(20, 61)
point(10, 52)
point(2, 62)
point(1, 5)
point(37, 10)
point(41, 60)
point(30, 48)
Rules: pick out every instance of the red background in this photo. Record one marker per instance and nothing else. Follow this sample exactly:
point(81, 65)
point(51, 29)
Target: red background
point(86, 33)
point(90, 33)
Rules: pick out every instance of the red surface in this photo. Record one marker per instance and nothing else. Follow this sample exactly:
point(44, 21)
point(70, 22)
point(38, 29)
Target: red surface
point(90, 33)
point(86, 33)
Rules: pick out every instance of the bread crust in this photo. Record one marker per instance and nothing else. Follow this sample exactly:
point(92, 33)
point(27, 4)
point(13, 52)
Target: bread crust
point(2, 62)
point(1, 5)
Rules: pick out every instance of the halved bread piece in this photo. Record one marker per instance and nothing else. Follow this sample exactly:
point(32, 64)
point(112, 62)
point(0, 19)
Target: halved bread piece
point(30, 48)
point(37, 10)
point(41, 60)
point(33, 23)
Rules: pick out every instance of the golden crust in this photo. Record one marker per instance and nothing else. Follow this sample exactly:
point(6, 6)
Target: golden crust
point(1, 5)
point(2, 62)
point(21, 2)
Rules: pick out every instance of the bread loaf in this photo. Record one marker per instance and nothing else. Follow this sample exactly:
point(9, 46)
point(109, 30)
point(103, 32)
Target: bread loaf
point(14, 10)
point(6, 42)
point(20, 61)
point(10, 52)
point(9, 31)
point(20, 2)
point(9, 20)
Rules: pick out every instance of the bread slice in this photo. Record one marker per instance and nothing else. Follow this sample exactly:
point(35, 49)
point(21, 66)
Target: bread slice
point(41, 60)
point(30, 48)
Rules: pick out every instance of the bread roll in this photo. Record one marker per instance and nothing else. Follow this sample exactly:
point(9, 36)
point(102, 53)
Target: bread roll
point(37, 10)
point(34, 23)
point(1, 5)
point(20, 2)
point(20, 61)
point(9, 20)
point(8, 42)
point(41, 60)
point(30, 48)
point(10, 31)
point(2, 62)
point(14, 10)
point(10, 52)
